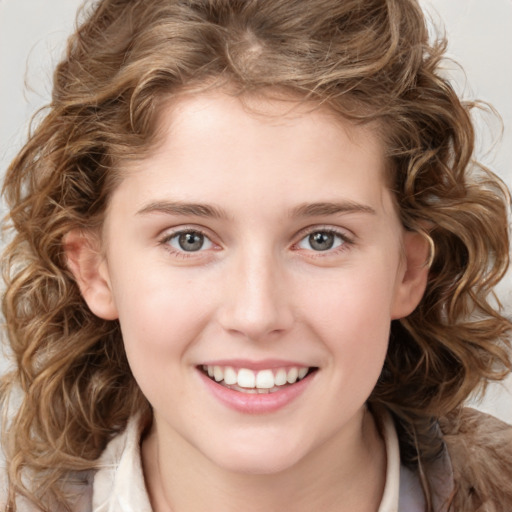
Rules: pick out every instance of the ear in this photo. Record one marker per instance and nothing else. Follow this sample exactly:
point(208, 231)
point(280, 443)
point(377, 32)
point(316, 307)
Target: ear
point(89, 267)
point(414, 276)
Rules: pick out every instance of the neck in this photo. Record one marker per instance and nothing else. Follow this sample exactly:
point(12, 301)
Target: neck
point(347, 473)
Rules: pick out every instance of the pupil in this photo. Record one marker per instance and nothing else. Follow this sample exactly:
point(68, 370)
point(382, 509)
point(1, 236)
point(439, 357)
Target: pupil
point(191, 241)
point(321, 241)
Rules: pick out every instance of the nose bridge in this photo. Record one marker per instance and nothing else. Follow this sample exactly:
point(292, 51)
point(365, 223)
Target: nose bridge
point(256, 303)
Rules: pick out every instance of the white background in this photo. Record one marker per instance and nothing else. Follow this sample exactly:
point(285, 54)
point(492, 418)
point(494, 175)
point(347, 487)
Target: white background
point(32, 35)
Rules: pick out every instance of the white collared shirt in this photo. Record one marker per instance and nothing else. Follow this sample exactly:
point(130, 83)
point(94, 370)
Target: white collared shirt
point(118, 483)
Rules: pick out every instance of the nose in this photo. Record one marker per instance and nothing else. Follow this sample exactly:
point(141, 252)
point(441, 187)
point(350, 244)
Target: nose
point(256, 302)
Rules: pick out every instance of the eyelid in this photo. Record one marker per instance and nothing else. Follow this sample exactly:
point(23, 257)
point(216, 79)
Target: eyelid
point(348, 240)
point(348, 237)
point(175, 241)
point(169, 233)
point(344, 233)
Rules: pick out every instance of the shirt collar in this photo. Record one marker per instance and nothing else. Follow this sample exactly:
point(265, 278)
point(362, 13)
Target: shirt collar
point(403, 491)
point(390, 497)
point(119, 481)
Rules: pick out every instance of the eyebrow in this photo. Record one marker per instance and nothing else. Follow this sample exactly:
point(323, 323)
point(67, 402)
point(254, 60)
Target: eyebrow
point(210, 211)
point(188, 209)
point(328, 208)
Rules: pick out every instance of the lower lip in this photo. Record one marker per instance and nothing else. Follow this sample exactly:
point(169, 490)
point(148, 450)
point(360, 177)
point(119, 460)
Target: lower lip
point(256, 403)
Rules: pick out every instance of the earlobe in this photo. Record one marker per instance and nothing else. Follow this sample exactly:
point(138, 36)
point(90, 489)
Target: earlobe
point(413, 282)
point(88, 266)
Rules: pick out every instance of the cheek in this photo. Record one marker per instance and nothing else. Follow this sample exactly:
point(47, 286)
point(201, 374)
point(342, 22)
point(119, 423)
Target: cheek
point(160, 317)
point(156, 304)
point(351, 314)
point(157, 334)
point(355, 299)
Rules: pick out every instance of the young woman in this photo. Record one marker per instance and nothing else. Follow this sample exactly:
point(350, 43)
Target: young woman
point(251, 268)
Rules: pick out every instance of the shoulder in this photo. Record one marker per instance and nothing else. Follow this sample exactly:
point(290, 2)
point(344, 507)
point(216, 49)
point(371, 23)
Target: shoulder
point(480, 450)
point(471, 432)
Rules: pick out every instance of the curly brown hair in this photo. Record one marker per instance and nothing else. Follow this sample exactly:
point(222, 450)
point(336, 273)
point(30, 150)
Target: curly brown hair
point(367, 60)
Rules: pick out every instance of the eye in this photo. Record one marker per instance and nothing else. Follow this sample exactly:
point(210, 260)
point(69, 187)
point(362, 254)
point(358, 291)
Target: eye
point(189, 241)
point(321, 241)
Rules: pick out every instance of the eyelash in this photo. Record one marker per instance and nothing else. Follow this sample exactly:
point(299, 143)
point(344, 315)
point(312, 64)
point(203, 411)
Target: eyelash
point(168, 237)
point(345, 244)
point(346, 241)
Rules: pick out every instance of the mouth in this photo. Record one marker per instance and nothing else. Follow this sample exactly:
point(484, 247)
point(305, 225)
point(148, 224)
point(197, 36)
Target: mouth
point(263, 381)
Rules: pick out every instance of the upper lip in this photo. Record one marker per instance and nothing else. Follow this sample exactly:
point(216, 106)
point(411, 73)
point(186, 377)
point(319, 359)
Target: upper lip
point(264, 364)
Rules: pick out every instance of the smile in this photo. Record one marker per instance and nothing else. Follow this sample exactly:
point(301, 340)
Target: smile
point(264, 381)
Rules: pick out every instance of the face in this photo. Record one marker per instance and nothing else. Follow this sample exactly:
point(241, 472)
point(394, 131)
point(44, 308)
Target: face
point(255, 263)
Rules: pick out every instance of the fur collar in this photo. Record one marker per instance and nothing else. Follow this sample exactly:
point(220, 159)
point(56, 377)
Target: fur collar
point(480, 449)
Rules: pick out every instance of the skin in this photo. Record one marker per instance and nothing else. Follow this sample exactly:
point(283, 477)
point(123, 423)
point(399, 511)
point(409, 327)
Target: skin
point(256, 290)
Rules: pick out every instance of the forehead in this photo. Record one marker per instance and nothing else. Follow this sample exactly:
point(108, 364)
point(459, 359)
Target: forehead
point(211, 143)
point(201, 117)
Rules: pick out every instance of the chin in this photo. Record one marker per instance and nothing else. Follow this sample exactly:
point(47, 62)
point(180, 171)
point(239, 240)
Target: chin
point(258, 460)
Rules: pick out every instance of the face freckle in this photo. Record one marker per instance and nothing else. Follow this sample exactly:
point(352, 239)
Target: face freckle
point(255, 267)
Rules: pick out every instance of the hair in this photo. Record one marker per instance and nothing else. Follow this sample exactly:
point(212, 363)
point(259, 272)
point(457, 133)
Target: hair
point(366, 60)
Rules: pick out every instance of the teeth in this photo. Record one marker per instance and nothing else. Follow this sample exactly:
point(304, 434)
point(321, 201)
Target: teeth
point(246, 378)
point(257, 381)
point(293, 375)
point(230, 376)
point(265, 379)
point(281, 377)
point(218, 374)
